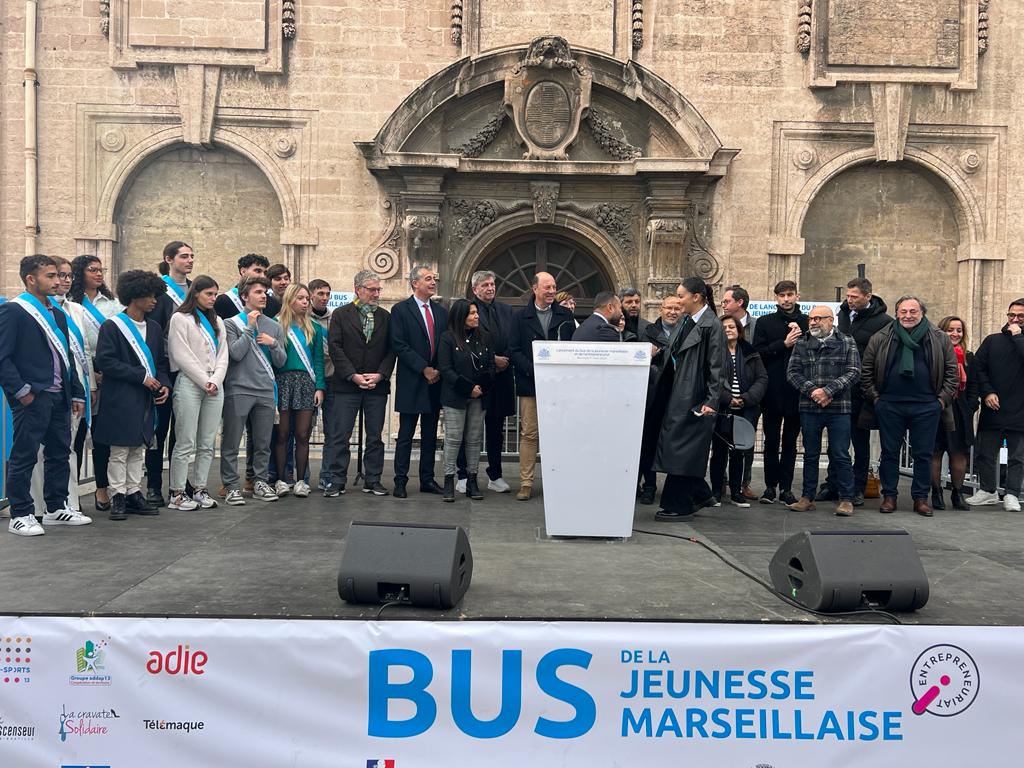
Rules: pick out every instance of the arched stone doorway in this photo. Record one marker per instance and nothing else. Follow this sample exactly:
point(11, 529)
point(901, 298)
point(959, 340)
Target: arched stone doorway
point(897, 221)
point(218, 201)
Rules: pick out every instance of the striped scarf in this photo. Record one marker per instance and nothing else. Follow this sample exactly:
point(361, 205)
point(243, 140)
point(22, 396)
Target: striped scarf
point(366, 317)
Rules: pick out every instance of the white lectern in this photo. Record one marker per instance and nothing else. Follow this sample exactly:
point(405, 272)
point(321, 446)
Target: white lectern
point(590, 411)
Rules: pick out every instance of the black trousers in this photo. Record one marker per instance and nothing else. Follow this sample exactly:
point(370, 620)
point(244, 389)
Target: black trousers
point(494, 437)
point(45, 421)
point(100, 456)
point(781, 430)
point(164, 446)
point(681, 494)
point(428, 444)
point(722, 455)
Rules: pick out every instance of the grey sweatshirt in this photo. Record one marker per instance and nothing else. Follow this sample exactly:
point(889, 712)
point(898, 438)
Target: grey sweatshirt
point(246, 375)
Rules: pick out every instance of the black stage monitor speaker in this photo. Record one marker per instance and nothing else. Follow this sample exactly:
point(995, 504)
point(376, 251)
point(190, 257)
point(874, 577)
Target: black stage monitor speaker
point(424, 565)
point(849, 570)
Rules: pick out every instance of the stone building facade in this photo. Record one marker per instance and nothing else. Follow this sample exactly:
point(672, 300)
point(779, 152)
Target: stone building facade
point(612, 142)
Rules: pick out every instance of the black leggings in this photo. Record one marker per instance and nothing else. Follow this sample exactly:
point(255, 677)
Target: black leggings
point(100, 456)
point(303, 431)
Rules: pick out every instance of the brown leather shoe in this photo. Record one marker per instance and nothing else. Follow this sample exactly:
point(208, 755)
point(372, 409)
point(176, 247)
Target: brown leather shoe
point(923, 508)
point(844, 509)
point(525, 491)
point(748, 494)
point(803, 505)
point(888, 505)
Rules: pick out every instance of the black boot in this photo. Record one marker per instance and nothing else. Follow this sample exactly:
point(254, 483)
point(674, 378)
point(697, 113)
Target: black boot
point(472, 489)
point(449, 487)
point(956, 496)
point(938, 502)
point(117, 511)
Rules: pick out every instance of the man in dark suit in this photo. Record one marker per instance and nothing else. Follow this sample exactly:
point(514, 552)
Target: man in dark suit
point(416, 328)
point(360, 348)
point(540, 319)
point(37, 370)
point(496, 320)
point(603, 325)
point(632, 307)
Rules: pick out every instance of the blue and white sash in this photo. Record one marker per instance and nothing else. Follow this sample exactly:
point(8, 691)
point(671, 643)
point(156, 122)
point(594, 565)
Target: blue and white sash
point(263, 355)
point(44, 319)
point(175, 291)
point(78, 349)
point(131, 333)
point(92, 314)
point(298, 341)
point(236, 299)
point(210, 333)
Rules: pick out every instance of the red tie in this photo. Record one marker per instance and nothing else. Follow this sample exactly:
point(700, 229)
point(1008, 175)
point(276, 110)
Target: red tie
point(430, 326)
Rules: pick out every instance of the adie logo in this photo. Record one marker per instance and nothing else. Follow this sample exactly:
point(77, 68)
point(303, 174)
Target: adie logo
point(944, 681)
point(179, 661)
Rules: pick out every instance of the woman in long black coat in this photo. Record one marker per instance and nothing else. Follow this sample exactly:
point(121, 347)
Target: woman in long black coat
point(688, 390)
point(965, 402)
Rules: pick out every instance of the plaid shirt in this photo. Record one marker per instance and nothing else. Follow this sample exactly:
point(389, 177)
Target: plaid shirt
point(832, 364)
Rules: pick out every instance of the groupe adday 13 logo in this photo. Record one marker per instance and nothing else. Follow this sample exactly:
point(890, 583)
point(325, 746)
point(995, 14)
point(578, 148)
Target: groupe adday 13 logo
point(90, 663)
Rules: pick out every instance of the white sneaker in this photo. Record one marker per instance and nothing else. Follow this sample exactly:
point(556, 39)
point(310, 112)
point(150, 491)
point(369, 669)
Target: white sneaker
point(68, 516)
point(203, 499)
point(263, 492)
point(235, 498)
point(301, 489)
point(1010, 503)
point(181, 502)
point(982, 498)
point(281, 488)
point(460, 486)
point(25, 526)
point(499, 485)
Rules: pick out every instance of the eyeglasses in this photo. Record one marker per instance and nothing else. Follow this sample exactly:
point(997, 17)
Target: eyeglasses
point(1015, 315)
point(63, 275)
point(817, 319)
point(371, 290)
point(96, 270)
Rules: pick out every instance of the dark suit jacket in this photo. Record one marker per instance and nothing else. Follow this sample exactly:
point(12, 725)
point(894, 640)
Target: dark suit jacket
point(352, 353)
point(164, 308)
point(26, 357)
point(497, 320)
point(126, 414)
point(526, 330)
point(410, 343)
point(596, 328)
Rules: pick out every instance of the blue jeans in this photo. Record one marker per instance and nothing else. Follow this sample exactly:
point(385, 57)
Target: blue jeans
point(894, 421)
point(838, 427)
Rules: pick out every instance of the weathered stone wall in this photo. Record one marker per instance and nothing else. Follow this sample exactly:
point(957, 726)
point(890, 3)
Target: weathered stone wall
point(352, 63)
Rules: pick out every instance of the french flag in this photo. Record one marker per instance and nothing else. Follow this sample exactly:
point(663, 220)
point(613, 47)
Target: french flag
point(380, 764)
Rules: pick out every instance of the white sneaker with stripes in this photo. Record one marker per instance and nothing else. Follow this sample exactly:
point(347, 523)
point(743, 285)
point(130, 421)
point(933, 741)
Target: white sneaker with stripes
point(66, 516)
point(25, 526)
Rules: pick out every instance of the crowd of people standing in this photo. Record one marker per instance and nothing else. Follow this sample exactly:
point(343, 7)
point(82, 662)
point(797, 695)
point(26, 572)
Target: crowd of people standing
point(165, 364)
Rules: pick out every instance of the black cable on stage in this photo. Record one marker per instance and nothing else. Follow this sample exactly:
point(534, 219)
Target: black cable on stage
point(758, 580)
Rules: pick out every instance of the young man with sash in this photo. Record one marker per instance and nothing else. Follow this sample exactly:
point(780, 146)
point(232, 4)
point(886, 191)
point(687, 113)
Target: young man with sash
point(40, 380)
point(83, 362)
point(255, 347)
point(230, 303)
point(176, 266)
point(131, 356)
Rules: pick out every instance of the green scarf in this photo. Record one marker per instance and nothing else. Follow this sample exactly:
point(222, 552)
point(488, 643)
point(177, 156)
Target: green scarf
point(911, 343)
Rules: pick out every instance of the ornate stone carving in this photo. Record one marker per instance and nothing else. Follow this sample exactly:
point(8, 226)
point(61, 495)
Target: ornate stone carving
point(667, 226)
point(610, 136)
point(803, 29)
point(288, 19)
point(701, 261)
point(198, 87)
point(477, 143)
point(614, 219)
point(659, 288)
point(457, 22)
point(105, 17)
point(638, 24)
point(384, 258)
point(420, 228)
point(113, 140)
point(982, 26)
point(805, 158)
point(970, 161)
point(284, 146)
point(473, 215)
point(545, 200)
point(548, 91)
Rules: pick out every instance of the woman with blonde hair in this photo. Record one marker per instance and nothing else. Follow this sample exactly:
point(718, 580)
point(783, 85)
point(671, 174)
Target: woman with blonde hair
point(965, 402)
point(300, 383)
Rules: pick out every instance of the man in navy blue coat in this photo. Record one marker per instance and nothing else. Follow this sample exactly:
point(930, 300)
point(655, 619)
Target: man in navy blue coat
point(603, 324)
point(416, 327)
point(39, 378)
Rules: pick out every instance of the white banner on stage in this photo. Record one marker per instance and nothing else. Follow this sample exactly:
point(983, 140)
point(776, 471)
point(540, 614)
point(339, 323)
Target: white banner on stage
point(323, 694)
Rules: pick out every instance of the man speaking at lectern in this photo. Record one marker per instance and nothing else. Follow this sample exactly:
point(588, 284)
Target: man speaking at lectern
point(603, 324)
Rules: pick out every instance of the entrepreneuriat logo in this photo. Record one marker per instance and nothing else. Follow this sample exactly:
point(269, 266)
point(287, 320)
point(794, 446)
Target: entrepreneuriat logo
point(944, 681)
point(178, 661)
point(91, 722)
point(90, 663)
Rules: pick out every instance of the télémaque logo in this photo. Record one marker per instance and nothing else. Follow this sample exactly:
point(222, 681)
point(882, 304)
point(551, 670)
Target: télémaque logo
point(944, 681)
point(187, 726)
point(90, 722)
point(16, 658)
point(16, 731)
point(90, 663)
point(178, 661)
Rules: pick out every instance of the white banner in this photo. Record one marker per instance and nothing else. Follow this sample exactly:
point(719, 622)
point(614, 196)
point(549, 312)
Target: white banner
point(761, 308)
point(328, 694)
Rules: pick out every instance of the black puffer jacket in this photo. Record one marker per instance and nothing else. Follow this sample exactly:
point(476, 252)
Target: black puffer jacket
point(867, 323)
point(999, 368)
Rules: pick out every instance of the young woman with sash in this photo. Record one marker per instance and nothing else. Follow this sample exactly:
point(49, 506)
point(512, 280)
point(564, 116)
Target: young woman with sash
point(136, 380)
point(198, 352)
point(300, 382)
point(89, 290)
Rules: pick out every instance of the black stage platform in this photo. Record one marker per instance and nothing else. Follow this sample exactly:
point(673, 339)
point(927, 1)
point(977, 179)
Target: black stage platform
point(281, 560)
